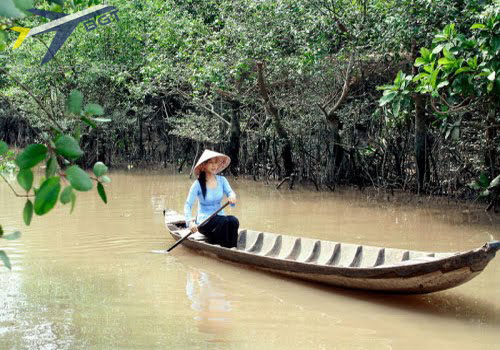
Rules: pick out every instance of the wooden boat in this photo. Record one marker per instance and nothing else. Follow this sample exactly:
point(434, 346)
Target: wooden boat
point(342, 264)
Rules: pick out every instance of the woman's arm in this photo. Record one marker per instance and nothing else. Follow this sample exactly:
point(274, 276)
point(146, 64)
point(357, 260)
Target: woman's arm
point(188, 206)
point(228, 191)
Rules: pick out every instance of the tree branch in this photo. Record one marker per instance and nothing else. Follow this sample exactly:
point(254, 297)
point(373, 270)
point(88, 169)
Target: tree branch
point(13, 190)
point(37, 100)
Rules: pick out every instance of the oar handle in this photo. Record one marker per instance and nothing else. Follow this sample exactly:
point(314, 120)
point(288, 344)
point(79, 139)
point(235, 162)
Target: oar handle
point(190, 233)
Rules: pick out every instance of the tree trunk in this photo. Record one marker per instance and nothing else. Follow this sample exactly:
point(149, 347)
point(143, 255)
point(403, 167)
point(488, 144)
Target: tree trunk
point(420, 143)
point(420, 132)
point(490, 151)
point(234, 139)
point(286, 149)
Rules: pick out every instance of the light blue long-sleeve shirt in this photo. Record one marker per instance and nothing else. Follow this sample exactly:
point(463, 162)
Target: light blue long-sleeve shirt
point(208, 204)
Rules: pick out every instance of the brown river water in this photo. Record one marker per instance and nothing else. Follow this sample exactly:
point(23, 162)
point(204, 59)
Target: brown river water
point(90, 280)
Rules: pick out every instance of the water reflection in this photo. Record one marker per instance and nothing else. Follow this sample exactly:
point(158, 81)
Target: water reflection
point(209, 301)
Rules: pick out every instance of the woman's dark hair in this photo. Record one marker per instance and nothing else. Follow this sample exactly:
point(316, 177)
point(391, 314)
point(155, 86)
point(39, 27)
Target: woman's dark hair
point(202, 179)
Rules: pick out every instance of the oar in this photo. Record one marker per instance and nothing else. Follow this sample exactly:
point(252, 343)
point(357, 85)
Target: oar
point(203, 223)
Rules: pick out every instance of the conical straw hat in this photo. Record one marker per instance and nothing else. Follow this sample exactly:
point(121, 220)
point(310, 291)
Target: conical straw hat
point(223, 161)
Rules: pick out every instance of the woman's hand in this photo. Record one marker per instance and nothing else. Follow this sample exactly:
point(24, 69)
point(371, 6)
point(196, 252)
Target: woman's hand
point(232, 199)
point(193, 227)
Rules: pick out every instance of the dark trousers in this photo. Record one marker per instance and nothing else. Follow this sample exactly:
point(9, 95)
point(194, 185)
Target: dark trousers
point(222, 230)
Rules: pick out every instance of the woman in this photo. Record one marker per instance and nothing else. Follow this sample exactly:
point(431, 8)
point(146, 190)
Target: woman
point(209, 189)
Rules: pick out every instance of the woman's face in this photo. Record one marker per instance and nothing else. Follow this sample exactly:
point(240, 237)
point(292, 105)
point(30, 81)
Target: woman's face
point(211, 165)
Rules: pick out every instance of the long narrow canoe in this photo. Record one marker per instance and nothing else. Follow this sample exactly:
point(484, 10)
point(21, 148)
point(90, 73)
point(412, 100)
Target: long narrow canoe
point(343, 264)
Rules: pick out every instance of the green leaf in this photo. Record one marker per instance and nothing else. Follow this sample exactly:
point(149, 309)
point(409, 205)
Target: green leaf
point(14, 8)
point(88, 122)
point(93, 109)
point(494, 183)
point(74, 102)
point(46, 196)
point(425, 53)
point(475, 185)
point(3, 147)
point(28, 212)
point(102, 120)
point(483, 180)
point(495, 43)
point(462, 70)
point(55, 8)
point(490, 86)
point(442, 84)
point(31, 156)
point(100, 169)
point(446, 61)
point(50, 167)
point(68, 147)
point(73, 201)
point(105, 179)
point(472, 62)
point(102, 193)
point(420, 76)
point(439, 38)
point(396, 106)
point(25, 179)
point(438, 49)
point(1, 231)
point(13, 236)
point(434, 78)
point(420, 62)
point(492, 76)
point(387, 98)
point(485, 193)
point(5, 259)
point(478, 26)
point(66, 195)
point(448, 54)
point(78, 178)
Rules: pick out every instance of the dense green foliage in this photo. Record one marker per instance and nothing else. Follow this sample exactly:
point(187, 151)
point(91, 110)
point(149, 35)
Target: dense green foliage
point(289, 89)
point(59, 146)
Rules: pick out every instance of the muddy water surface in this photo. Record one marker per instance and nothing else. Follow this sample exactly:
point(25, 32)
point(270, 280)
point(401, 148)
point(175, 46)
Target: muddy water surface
point(89, 280)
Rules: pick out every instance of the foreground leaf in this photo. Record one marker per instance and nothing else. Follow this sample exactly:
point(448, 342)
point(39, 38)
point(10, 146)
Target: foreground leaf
point(14, 9)
point(88, 122)
point(102, 120)
point(74, 102)
point(31, 156)
point(105, 179)
point(3, 147)
point(46, 196)
point(68, 147)
point(5, 259)
point(73, 201)
point(66, 195)
point(28, 212)
point(102, 193)
point(100, 169)
point(494, 183)
point(78, 178)
point(51, 167)
point(13, 236)
point(93, 109)
point(387, 98)
point(25, 179)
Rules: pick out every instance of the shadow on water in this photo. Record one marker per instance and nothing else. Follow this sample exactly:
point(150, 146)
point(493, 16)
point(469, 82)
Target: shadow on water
point(449, 304)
